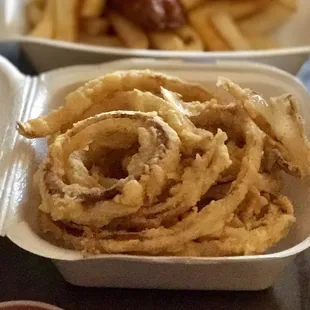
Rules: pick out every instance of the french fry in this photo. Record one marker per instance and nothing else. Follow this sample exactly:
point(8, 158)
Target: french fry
point(225, 25)
point(241, 9)
point(236, 9)
point(215, 25)
point(191, 4)
point(166, 40)
point(130, 34)
point(92, 8)
point(66, 22)
point(200, 20)
point(208, 8)
point(41, 3)
point(95, 26)
point(105, 40)
point(34, 13)
point(45, 28)
point(266, 21)
point(190, 38)
point(291, 4)
point(262, 42)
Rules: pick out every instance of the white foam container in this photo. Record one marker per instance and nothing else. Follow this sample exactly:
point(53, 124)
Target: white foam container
point(47, 54)
point(25, 97)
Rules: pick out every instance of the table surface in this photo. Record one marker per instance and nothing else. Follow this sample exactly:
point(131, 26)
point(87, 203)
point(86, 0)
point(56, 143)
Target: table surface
point(26, 276)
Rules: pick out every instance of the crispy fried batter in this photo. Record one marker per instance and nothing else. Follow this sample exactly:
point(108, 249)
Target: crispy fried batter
point(140, 162)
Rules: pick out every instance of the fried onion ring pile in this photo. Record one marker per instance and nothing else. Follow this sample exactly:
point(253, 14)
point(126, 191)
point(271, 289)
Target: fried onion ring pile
point(143, 163)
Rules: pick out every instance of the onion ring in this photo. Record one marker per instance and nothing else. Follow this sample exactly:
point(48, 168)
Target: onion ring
point(68, 201)
point(197, 224)
point(96, 91)
point(143, 163)
point(280, 120)
point(259, 230)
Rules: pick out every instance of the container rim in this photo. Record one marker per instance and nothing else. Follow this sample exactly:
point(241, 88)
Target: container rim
point(126, 52)
point(30, 303)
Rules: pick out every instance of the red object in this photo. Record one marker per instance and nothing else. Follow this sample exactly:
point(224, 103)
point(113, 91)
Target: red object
point(152, 14)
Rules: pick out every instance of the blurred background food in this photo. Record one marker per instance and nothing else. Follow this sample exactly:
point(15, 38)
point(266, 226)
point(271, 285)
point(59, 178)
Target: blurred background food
point(192, 25)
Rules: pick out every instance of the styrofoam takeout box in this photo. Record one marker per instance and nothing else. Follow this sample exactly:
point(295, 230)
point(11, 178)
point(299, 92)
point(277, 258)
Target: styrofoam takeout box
point(25, 97)
point(48, 54)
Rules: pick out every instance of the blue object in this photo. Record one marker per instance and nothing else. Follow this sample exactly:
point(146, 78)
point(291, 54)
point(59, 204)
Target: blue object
point(304, 74)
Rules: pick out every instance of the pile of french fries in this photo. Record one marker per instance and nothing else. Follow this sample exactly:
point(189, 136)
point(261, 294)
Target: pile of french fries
point(213, 25)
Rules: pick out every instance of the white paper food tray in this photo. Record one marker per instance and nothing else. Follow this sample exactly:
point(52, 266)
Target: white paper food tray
point(25, 97)
point(49, 54)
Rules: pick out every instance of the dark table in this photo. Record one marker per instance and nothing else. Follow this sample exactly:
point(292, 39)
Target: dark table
point(26, 276)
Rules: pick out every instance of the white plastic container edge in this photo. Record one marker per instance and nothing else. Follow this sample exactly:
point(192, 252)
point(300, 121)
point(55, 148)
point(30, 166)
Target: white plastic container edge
point(26, 97)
